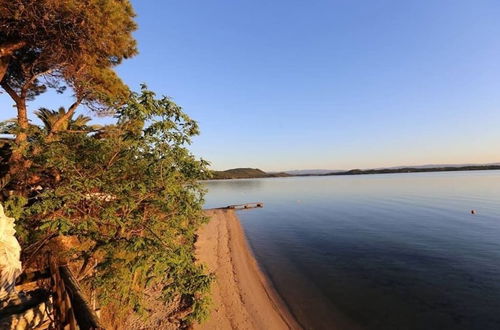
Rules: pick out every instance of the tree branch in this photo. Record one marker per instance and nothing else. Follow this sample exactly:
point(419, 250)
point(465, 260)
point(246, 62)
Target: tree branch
point(12, 93)
point(25, 87)
point(9, 47)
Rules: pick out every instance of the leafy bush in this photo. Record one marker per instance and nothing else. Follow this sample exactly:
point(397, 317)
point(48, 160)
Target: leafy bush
point(130, 195)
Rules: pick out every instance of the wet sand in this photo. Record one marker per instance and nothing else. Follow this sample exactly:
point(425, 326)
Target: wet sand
point(242, 296)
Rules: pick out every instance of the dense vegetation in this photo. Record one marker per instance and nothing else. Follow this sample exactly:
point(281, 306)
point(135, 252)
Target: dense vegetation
point(120, 203)
point(244, 173)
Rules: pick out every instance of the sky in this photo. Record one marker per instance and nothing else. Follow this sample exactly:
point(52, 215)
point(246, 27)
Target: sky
point(337, 84)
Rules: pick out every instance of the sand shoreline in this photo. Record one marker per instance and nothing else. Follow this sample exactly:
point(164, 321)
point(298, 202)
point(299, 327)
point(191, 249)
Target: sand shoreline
point(243, 298)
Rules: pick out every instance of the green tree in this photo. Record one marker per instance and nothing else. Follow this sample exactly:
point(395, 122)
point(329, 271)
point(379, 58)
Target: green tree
point(132, 201)
point(58, 44)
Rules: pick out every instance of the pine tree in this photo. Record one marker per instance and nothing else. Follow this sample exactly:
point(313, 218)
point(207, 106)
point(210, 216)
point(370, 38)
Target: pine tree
point(59, 44)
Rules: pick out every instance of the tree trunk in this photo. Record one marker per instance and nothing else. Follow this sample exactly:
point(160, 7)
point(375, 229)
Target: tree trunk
point(4, 65)
point(22, 134)
point(16, 161)
point(22, 120)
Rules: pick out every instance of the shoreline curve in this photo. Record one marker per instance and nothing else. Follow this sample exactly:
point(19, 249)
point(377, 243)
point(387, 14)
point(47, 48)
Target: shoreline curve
point(243, 297)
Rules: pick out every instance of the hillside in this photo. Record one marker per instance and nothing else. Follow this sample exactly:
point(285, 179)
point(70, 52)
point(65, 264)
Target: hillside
point(248, 173)
point(418, 169)
point(244, 173)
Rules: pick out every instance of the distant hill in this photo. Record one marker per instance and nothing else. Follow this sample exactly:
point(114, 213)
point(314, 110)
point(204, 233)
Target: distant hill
point(412, 168)
point(248, 173)
point(419, 169)
point(245, 173)
point(436, 166)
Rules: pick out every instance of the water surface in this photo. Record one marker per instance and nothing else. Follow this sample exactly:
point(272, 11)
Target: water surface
point(389, 251)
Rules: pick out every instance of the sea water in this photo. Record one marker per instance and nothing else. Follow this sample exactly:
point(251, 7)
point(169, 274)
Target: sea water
point(385, 251)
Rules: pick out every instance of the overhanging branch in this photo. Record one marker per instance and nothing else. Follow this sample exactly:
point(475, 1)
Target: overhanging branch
point(12, 93)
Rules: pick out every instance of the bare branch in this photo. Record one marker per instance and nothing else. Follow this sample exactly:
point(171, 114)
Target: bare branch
point(10, 47)
point(12, 93)
point(30, 81)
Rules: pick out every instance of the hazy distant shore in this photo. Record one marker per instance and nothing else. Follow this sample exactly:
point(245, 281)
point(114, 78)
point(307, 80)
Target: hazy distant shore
point(249, 173)
point(242, 296)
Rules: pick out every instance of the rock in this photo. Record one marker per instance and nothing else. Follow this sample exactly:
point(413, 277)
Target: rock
point(10, 251)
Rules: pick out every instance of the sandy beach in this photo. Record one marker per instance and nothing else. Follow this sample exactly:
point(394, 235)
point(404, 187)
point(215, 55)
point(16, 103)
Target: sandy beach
point(242, 296)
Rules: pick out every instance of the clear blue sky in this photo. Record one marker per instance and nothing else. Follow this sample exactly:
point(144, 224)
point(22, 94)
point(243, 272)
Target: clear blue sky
point(325, 84)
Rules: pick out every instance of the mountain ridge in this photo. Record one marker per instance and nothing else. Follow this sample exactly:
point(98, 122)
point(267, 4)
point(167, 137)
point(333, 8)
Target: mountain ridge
point(249, 173)
point(327, 171)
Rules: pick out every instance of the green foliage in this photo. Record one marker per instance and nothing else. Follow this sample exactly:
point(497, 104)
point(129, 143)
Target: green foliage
point(131, 196)
point(50, 117)
point(73, 43)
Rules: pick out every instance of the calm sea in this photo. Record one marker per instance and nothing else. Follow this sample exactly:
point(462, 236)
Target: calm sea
point(390, 251)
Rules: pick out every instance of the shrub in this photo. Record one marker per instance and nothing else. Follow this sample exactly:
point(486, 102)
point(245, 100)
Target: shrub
point(130, 195)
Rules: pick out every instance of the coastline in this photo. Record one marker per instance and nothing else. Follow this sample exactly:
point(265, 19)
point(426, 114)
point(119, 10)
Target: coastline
point(397, 170)
point(243, 298)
